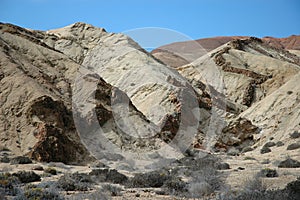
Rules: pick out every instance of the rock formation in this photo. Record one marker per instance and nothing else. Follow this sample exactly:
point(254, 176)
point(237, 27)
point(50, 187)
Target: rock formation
point(79, 93)
point(181, 53)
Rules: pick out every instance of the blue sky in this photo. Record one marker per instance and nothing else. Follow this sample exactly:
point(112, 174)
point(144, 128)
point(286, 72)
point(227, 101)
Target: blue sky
point(193, 18)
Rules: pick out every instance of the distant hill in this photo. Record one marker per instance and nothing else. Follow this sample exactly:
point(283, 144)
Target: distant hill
point(179, 53)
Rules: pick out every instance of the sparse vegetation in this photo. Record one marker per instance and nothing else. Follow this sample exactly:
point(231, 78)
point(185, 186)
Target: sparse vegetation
point(174, 185)
point(32, 192)
point(293, 188)
point(279, 144)
point(289, 163)
point(20, 160)
point(111, 190)
point(233, 152)
point(75, 182)
point(270, 144)
point(150, 179)
point(295, 134)
point(205, 182)
point(249, 158)
point(200, 189)
point(4, 148)
point(293, 146)
point(27, 176)
point(265, 149)
point(8, 184)
point(267, 172)
point(50, 170)
point(4, 159)
point(108, 175)
point(223, 166)
point(255, 190)
point(247, 149)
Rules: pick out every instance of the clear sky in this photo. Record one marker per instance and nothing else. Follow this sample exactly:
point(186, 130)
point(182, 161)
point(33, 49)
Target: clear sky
point(194, 18)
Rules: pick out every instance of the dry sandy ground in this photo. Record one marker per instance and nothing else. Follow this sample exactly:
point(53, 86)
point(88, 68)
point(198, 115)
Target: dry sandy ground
point(249, 163)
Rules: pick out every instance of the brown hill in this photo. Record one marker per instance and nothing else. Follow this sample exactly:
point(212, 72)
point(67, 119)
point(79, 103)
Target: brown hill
point(179, 53)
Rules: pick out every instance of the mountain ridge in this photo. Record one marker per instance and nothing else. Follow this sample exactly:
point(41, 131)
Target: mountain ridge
point(176, 52)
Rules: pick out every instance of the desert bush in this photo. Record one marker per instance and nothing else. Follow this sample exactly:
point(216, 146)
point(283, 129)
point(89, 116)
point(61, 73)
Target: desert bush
point(265, 149)
point(97, 164)
point(9, 184)
point(195, 164)
point(95, 195)
point(4, 159)
point(279, 144)
point(200, 189)
point(50, 170)
point(108, 175)
point(293, 189)
point(149, 179)
point(254, 190)
point(267, 172)
point(289, 163)
point(233, 152)
point(27, 176)
point(293, 146)
point(111, 190)
point(20, 160)
point(247, 149)
point(295, 134)
point(4, 148)
point(32, 192)
point(261, 195)
point(265, 161)
point(174, 186)
point(75, 182)
point(270, 144)
point(38, 168)
point(205, 182)
point(222, 166)
point(249, 158)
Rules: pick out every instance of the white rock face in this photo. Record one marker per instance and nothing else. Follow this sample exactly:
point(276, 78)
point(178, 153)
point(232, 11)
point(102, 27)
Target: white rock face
point(156, 90)
point(278, 113)
point(244, 66)
point(123, 63)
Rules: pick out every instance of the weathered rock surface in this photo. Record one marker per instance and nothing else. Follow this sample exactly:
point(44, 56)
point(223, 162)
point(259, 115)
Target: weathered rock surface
point(246, 74)
point(36, 117)
point(278, 113)
point(43, 83)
